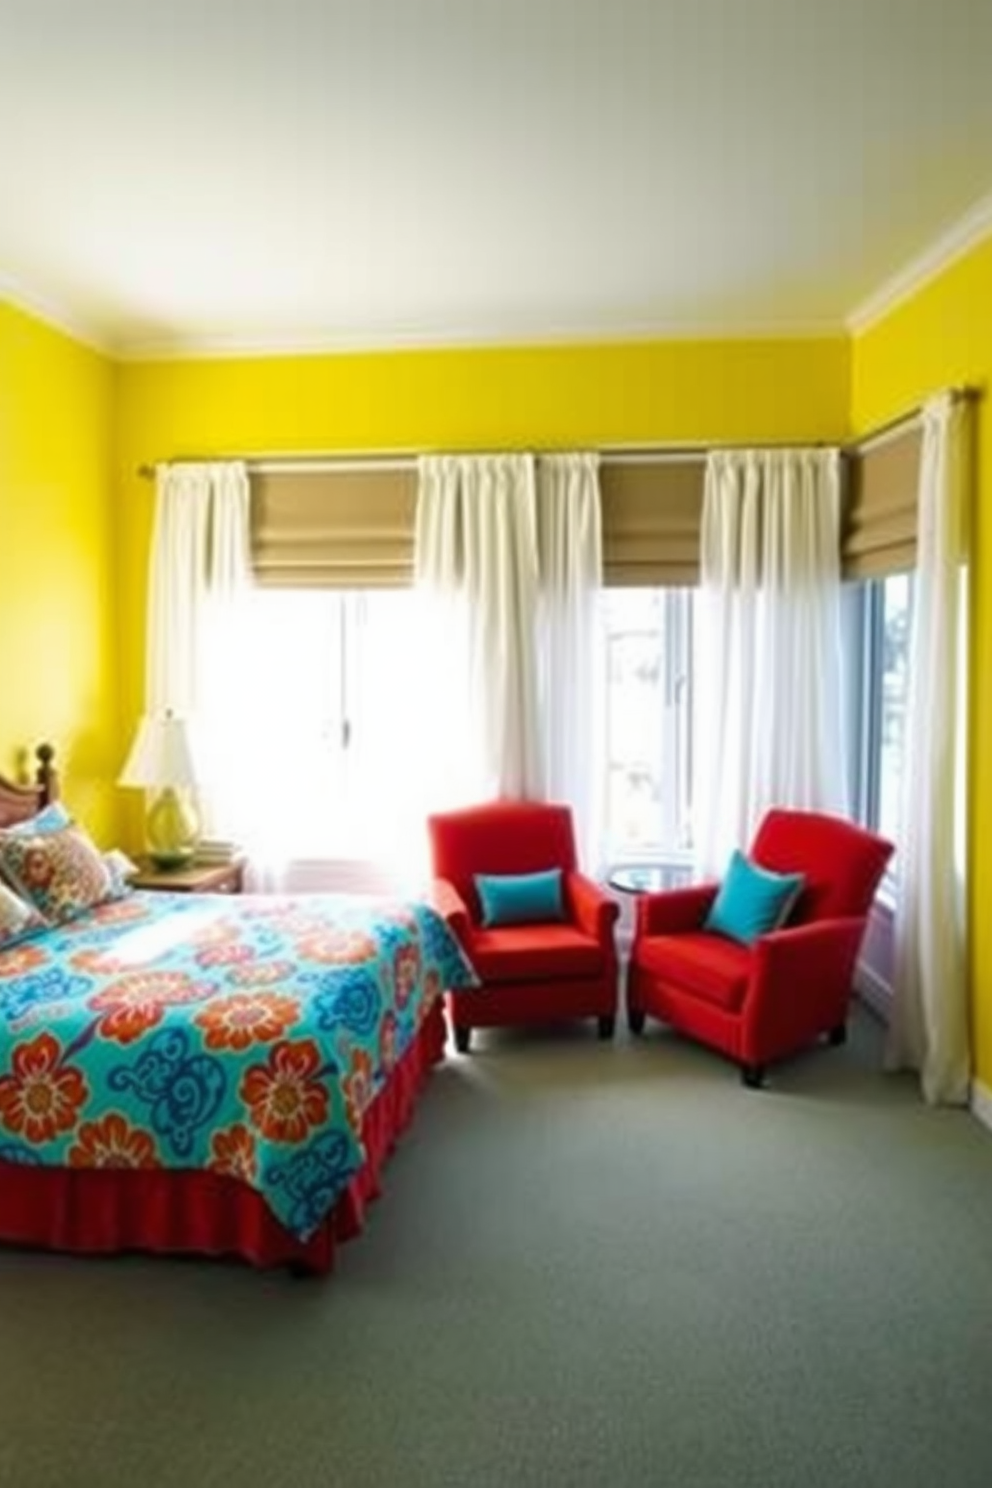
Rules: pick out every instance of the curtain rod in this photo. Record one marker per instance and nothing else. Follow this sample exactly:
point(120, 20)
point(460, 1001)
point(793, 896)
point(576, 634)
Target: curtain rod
point(618, 454)
point(902, 423)
point(648, 454)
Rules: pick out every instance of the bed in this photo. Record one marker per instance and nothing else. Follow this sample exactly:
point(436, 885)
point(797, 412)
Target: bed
point(208, 1074)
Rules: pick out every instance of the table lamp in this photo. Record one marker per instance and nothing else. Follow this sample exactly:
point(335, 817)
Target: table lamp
point(161, 760)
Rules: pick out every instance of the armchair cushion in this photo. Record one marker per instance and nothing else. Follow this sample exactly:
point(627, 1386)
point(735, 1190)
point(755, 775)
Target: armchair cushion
point(710, 967)
point(534, 953)
point(520, 898)
point(752, 900)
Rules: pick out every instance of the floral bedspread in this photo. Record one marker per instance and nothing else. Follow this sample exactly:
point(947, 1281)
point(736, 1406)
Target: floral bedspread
point(243, 1035)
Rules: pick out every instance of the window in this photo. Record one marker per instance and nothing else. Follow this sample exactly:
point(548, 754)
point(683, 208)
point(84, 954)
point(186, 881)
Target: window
point(322, 762)
point(879, 617)
point(648, 637)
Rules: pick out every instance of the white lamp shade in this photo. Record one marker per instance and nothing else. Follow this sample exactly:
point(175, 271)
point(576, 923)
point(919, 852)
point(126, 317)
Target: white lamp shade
point(161, 754)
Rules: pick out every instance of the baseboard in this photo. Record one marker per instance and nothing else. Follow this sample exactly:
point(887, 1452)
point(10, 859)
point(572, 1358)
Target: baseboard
point(874, 992)
point(981, 1103)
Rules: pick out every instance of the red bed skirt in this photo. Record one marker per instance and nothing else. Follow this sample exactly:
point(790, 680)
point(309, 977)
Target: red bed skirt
point(176, 1212)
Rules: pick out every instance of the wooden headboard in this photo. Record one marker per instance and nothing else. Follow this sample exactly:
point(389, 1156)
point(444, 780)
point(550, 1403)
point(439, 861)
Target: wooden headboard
point(18, 802)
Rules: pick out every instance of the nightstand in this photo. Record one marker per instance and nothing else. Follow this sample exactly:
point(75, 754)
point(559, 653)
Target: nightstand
point(196, 878)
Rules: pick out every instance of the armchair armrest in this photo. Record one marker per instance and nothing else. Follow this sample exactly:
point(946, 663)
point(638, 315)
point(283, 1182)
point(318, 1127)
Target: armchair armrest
point(812, 955)
point(593, 910)
point(450, 905)
point(673, 911)
point(800, 984)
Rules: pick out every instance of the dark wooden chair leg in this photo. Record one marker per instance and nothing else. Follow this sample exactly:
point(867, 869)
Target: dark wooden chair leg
point(300, 1271)
point(463, 1037)
point(607, 1024)
point(753, 1076)
point(838, 1035)
point(635, 1020)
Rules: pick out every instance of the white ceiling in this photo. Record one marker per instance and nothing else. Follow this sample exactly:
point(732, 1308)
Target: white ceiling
point(239, 173)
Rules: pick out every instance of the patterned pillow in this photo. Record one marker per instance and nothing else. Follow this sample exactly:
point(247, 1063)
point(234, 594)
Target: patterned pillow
point(17, 917)
point(61, 872)
point(51, 818)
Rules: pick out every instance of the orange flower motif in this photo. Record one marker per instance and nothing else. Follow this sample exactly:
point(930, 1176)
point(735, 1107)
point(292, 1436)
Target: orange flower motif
point(96, 960)
point(40, 1100)
point(225, 953)
point(387, 1040)
point(357, 1086)
point(120, 911)
point(261, 973)
point(234, 1153)
point(283, 1098)
point(246, 1018)
point(20, 959)
point(216, 932)
point(111, 1143)
point(37, 868)
point(336, 947)
point(135, 1003)
point(406, 970)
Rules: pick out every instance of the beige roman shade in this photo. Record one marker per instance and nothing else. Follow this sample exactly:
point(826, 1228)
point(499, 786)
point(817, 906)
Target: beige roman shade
point(652, 511)
point(879, 532)
point(345, 528)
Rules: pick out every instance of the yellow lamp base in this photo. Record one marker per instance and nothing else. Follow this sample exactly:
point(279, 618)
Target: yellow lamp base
point(171, 829)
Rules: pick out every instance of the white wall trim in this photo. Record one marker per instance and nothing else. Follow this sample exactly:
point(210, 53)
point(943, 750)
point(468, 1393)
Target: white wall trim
point(981, 1103)
point(55, 316)
point(874, 992)
point(966, 233)
point(957, 240)
point(194, 348)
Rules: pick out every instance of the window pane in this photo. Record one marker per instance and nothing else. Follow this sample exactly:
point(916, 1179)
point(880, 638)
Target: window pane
point(316, 738)
point(893, 680)
point(647, 636)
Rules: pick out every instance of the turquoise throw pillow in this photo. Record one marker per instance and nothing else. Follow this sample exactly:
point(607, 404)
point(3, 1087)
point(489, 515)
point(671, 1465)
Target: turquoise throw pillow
point(520, 898)
point(752, 901)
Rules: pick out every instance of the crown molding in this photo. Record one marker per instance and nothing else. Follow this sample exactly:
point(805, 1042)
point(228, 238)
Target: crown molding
point(957, 240)
point(54, 315)
point(194, 348)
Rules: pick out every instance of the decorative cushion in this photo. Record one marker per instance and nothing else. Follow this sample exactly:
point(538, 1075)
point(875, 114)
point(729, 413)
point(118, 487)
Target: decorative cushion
point(59, 870)
point(752, 901)
point(51, 818)
point(122, 869)
point(520, 898)
point(18, 917)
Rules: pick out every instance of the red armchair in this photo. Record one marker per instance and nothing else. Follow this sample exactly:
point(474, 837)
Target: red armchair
point(762, 1002)
point(535, 973)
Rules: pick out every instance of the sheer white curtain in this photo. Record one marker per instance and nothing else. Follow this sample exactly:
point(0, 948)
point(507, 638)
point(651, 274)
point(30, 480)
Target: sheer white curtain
point(476, 567)
point(929, 1031)
point(769, 723)
point(572, 652)
point(199, 578)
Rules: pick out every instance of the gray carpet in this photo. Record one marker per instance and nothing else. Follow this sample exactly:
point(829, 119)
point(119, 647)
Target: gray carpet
point(592, 1265)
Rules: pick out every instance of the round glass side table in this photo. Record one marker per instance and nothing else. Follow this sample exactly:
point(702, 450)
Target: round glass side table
point(644, 878)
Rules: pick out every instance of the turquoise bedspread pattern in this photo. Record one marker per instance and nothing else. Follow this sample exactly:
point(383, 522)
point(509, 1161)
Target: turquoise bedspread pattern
point(243, 1035)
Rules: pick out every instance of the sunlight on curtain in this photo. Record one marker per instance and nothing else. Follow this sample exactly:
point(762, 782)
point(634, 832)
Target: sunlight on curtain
point(929, 1031)
point(475, 560)
point(770, 707)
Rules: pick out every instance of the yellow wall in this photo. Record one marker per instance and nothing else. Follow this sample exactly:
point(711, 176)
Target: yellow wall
point(59, 668)
point(497, 398)
point(943, 336)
